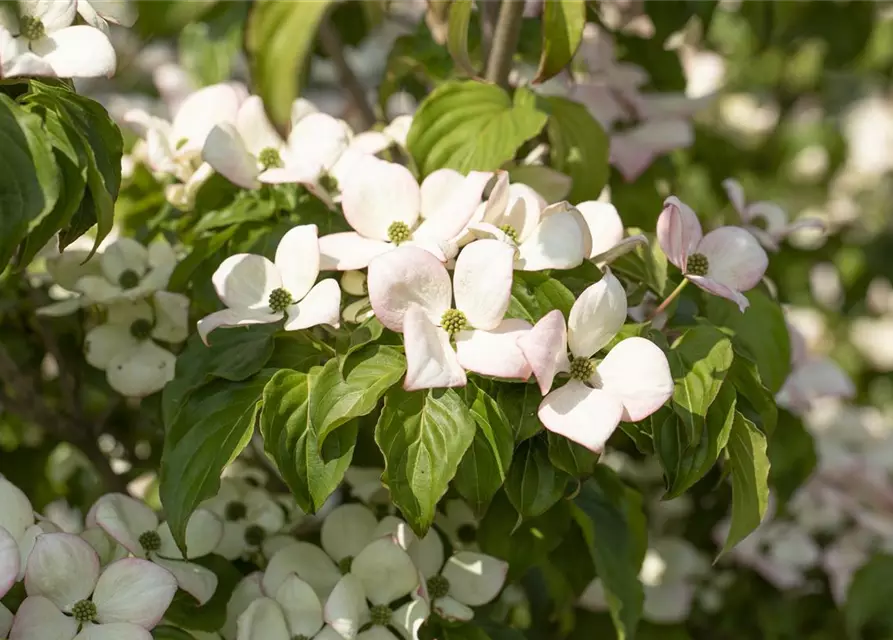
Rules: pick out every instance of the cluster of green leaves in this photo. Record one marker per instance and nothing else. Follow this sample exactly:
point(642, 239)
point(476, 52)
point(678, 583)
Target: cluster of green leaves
point(61, 168)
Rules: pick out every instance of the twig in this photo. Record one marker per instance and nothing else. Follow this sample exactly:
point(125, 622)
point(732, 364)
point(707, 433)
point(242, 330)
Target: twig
point(489, 13)
point(334, 48)
point(505, 41)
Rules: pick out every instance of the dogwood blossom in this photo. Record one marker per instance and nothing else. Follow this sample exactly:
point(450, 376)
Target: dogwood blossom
point(257, 291)
point(724, 262)
point(459, 524)
point(99, 13)
point(632, 382)
point(125, 348)
point(130, 271)
point(136, 527)
point(767, 221)
point(67, 593)
point(811, 377)
point(17, 534)
point(387, 208)
point(249, 514)
point(43, 42)
point(411, 293)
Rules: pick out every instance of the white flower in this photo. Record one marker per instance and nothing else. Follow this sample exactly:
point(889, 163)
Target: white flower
point(811, 377)
point(67, 593)
point(98, 13)
point(130, 271)
point(353, 283)
point(366, 485)
point(467, 579)
point(632, 382)
point(17, 534)
point(387, 207)
point(774, 220)
point(135, 526)
point(725, 262)
point(411, 293)
point(249, 515)
point(257, 291)
point(124, 347)
point(606, 231)
point(293, 612)
point(42, 42)
point(547, 237)
point(459, 524)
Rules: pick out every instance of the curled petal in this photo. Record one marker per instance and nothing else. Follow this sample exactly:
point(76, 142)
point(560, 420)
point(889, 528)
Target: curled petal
point(637, 373)
point(475, 578)
point(582, 414)
point(234, 318)
point(16, 515)
point(604, 224)
point(378, 193)
point(545, 348)
point(718, 289)
point(322, 305)
point(297, 259)
point(678, 231)
point(451, 609)
point(734, 258)
point(560, 241)
point(621, 248)
point(735, 192)
point(597, 316)
point(496, 352)
point(405, 276)
point(349, 250)
point(245, 281)
point(225, 150)
point(483, 282)
point(431, 362)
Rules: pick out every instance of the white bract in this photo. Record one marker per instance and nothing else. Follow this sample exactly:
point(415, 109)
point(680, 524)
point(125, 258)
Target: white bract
point(411, 293)
point(42, 42)
point(250, 517)
point(125, 348)
point(257, 291)
point(632, 382)
point(99, 13)
point(69, 598)
point(725, 262)
point(130, 271)
point(136, 527)
point(811, 377)
point(17, 534)
point(767, 221)
point(459, 524)
point(388, 208)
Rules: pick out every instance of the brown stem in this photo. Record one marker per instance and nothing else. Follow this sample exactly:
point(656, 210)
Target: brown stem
point(334, 48)
point(489, 14)
point(505, 41)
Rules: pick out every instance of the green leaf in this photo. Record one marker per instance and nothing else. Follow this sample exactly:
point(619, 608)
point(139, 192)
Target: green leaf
point(523, 544)
point(868, 599)
point(563, 22)
point(247, 207)
point(234, 354)
point(646, 264)
point(699, 361)
point(552, 185)
point(29, 180)
point(279, 39)
point(472, 126)
point(535, 294)
point(484, 466)
point(423, 436)
point(571, 457)
point(745, 376)
point(467, 631)
point(579, 147)
point(760, 333)
point(792, 455)
point(750, 480)
point(167, 632)
point(613, 532)
point(685, 465)
point(207, 433)
point(520, 402)
point(185, 612)
point(290, 437)
point(533, 485)
point(457, 35)
point(351, 387)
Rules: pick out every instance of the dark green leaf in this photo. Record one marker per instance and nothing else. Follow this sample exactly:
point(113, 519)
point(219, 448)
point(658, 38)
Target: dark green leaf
point(457, 38)
point(563, 22)
point(520, 402)
point(167, 632)
point(533, 485)
point(535, 294)
point(311, 472)
point(579, 147)
point(472, 126)
point(423, 436)
point(750, 479)
point(746, 379)
point(571, 457)
point(792, 455)
point(868, 599)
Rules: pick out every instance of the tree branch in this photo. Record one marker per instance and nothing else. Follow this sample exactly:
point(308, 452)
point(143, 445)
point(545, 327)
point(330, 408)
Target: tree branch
point(334, 48)
point(505, 41)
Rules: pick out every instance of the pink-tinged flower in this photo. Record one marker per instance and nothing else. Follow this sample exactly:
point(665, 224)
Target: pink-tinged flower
point(767, 221)
point(67, 594)
point(812, 377)
point(724, 262)
point(606, 230)
point(632, 382)
point(133, 525)
point(257, 291)
point(547, 236)
point(387, 208)
point(411, 293)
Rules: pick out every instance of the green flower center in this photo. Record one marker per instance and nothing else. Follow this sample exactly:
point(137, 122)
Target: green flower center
point(182, 142)
point(141, 329)
point(328, 183)
point(84, 611)
point(453, 321)
point(582, 369)
point(381, 615)
point(32, 28)
point(255, 535)
point(235, 511)
point(697, 264)
point(467, 533)
point(510, 231)
point(345, 565)
point(150, 541)
point(438, 587)
point(128, 279)
point(399, 232)
point(280, 300)
point(269, 158)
